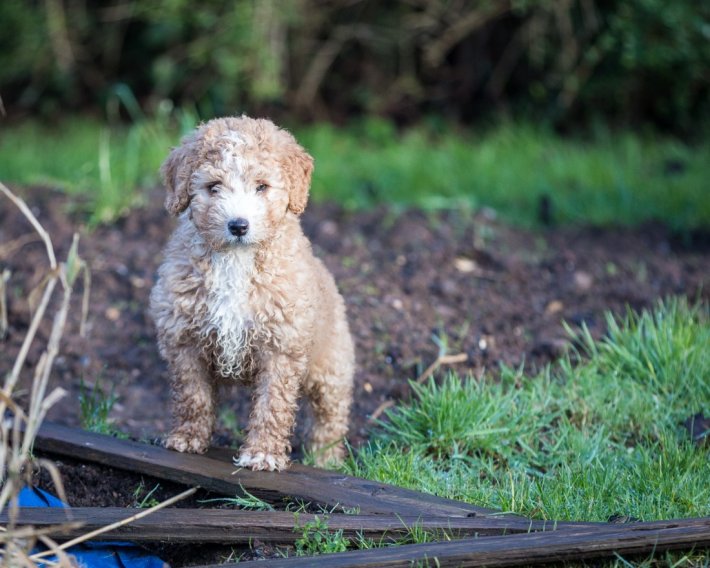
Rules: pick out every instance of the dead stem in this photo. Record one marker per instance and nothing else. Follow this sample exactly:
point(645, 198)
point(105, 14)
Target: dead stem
point(108, 528)
point(19, 428)
point(22, 206)
point(4, 278)
point(34, 532)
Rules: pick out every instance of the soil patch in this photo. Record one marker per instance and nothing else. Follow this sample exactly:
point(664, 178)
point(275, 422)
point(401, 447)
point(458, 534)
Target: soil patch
point(412, 281)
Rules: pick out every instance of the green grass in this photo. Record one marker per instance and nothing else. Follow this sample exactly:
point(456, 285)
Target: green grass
point(617, 177)
point(578, 442)
point(317, 539)
point(246, 501)
point(611, 178)
point(598, 435)
point(143, 499)
point(95, 406)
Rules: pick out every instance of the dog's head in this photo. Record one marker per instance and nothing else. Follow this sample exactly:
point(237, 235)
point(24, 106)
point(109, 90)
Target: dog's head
point(239, 177)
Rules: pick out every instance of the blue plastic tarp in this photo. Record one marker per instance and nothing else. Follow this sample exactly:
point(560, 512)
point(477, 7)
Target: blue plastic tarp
point(94, 554)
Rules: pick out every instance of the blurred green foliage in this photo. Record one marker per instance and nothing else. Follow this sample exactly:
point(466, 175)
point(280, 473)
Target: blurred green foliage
point(655, 59)
point(59, 53)
point(562, 60)
point(609, 177)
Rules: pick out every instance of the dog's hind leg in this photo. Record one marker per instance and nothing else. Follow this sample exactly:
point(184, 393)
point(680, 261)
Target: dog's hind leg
point(193, 394)
point(329, 388)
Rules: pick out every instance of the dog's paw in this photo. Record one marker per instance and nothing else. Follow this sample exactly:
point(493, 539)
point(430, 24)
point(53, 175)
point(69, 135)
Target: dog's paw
point(329, 457)
point(182, 442)
point(261, 461)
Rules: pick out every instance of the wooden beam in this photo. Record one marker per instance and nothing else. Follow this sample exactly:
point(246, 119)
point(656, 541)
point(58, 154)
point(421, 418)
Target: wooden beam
point(517, 550)
point(311, 485)
point(238, 526)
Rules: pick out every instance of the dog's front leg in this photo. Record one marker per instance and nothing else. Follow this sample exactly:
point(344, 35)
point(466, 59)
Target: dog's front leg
point(273, 412)
point(193, 402)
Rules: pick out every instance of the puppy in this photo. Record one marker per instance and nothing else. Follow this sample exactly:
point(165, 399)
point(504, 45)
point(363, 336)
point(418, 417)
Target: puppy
point(241, 298)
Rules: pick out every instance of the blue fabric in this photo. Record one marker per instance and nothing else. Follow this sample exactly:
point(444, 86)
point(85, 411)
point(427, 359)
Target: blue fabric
point(94, 554)
point(34, 497)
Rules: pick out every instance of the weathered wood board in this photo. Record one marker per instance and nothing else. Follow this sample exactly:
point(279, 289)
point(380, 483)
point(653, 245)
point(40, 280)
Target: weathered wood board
point(517, 550)
point(311, 485)
point(238, 526)
point(382, 510)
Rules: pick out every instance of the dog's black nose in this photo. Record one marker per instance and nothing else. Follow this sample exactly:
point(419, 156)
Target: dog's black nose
point(238, 227)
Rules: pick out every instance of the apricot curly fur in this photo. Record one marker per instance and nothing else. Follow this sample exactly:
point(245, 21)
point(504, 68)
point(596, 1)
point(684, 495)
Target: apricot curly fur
point(258, 307)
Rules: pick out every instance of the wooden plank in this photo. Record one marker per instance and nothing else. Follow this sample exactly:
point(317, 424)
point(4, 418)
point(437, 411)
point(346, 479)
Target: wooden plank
point(326, 488)
point(517, 550)
point(237, 526)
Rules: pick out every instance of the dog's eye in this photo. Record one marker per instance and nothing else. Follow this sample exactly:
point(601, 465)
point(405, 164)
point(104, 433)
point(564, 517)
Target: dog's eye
point(261, 187)
point(213, 187)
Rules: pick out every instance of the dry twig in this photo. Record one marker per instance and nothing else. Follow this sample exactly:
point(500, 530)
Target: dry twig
point(4, 324)
point(108, 528)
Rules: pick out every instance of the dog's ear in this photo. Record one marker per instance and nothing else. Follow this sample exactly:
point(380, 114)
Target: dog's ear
point(176, 171)
point(297, 168)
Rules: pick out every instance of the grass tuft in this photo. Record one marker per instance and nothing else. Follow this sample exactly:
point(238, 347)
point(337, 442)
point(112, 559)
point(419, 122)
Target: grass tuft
point(316, 538)
point(458, 418)
point(95, 406)
point(246, 501)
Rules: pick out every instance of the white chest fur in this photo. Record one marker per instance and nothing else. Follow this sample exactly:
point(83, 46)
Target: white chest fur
point(229, 315)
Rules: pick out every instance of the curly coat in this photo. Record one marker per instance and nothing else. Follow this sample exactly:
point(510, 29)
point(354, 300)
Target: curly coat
point(250, 305)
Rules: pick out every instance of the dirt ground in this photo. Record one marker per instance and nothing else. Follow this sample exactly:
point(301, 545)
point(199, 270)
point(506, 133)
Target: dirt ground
point(411, 281)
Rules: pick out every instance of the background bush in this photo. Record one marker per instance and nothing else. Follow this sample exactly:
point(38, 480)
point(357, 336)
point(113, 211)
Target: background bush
point(560, 60)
